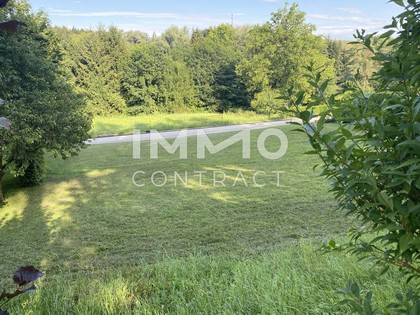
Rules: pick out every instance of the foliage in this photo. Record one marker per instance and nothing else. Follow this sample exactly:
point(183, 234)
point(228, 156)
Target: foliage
point(95, 60)
point(277, 52)
point(154, 82)
point(24, 278)
point(361, 302)
point(342, 55)
point(219, 69)
point(35, 170)
point(373, 160)
point(175, 36)
point(135, 37)
point(45, 111)
point(144, 77)
point(267, 102)
point(213, 59)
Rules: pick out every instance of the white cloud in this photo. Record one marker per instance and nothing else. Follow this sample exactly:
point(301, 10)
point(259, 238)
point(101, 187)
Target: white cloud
point(349, 10)
point(144, 21)
point(187, 19)
point(58, 11)
point(339, 18)
point(161, 15)
point(347, 31)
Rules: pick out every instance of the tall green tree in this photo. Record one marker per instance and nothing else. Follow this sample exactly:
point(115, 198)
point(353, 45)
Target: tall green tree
point(175, 36)
point(135, 37)
point(213, 59)
point(144, 75)
point(342, 54)
point(155, 82)
point(278, 52)
point(96, 60)
point(44, 110)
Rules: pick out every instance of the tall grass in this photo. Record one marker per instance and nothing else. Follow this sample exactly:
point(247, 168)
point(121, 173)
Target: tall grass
point(296, 280)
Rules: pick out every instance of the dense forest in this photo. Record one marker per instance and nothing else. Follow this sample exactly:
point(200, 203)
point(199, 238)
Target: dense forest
point(222, 68)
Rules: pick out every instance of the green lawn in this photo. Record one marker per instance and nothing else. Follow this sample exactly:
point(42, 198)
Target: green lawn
point(117, 125)
point(109, 247)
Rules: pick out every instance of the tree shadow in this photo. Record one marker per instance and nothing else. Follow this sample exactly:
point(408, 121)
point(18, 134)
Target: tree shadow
point(39, 225)
point(90, 215)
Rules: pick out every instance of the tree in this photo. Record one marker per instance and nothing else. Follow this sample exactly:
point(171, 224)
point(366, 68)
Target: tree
point(155, 82)
point(175, 36)
point(277, 52)
point(45, 112)
point(135, 37)
point(96, 60)
point(372, 158)
point(343, 61)
point(144, 76)
point(178, 88)
point(213, 59)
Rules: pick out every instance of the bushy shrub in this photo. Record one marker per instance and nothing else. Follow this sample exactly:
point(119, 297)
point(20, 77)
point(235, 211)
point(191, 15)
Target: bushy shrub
point(372, 157)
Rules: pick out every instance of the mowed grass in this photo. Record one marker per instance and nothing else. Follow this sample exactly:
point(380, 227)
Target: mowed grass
point(110, 247)
point(118, 125)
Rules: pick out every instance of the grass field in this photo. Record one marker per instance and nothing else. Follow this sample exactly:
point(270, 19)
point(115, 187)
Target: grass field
point(118, 125)
point(109, 247)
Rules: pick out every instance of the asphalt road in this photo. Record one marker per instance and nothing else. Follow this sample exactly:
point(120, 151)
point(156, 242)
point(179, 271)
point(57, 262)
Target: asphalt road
point(190, 132)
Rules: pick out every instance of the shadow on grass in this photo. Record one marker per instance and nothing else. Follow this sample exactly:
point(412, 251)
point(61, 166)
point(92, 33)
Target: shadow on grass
point(90, 215)
point(40, 226)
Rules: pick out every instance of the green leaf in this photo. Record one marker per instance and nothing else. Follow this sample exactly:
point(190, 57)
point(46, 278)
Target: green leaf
point(409, 162)
point(387, 34)
point(386, 200)
point(398, 2)
point(384, 270)
point(305, 116)
point(299, 130)
point(346, 133)
point(321, 122)
point(300, 98)
point(340, 144)
point(324, 86)
point(404, 242)
point(355, 289)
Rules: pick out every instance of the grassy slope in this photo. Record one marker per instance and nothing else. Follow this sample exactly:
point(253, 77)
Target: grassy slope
point(88, 217)
point(125, 124)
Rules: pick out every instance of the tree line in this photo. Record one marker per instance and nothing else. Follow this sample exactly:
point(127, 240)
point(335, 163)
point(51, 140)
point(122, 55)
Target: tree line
point(219, 69)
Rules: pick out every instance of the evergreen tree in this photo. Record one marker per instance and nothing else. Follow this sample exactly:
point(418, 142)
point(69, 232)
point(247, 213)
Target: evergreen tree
point(96, 59)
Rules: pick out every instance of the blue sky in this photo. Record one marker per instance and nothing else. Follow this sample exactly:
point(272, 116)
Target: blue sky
point(338, 19)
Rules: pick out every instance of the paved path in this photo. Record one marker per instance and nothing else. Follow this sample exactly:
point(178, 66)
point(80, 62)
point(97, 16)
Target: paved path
point(190, 132)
